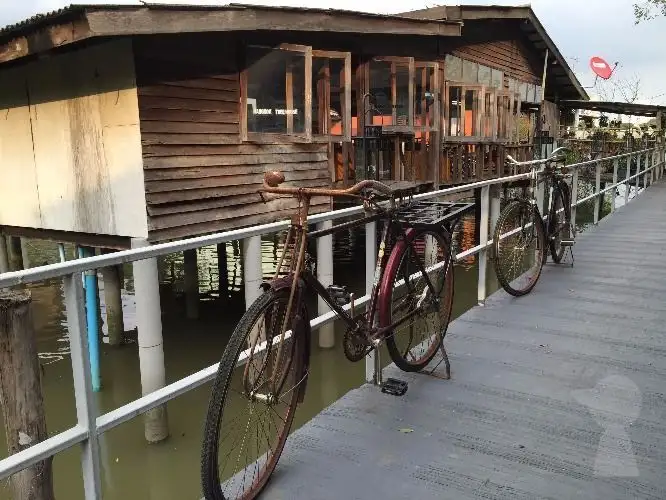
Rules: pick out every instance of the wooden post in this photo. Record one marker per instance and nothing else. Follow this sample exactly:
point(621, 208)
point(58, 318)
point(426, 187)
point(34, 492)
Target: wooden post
point(114, 304)
point(21, 394)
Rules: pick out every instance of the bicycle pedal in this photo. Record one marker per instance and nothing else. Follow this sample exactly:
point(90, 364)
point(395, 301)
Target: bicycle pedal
point(567, 243)
point(394, 386)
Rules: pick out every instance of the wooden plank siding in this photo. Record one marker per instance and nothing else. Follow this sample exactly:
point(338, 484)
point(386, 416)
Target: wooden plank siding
point(200, 177)
point(509, 56)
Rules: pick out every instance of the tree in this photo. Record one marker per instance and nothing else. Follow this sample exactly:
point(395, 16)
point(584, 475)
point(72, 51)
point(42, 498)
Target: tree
point(649, 9)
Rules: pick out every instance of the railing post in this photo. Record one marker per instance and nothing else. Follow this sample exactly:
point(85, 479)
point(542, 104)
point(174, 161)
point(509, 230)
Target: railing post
point(373, 367)
point(484, 225)
point(252, 272)
point(597, 189)
point(574, 197)
point(616, 164)
point(627, 186)
point(637, 185)
point(325, 277)
point(86, 410)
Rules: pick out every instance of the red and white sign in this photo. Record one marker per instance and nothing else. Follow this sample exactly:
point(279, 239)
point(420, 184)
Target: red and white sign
point(601, 67)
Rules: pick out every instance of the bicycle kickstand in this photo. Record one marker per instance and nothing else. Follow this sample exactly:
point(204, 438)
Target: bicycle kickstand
point(447, 365)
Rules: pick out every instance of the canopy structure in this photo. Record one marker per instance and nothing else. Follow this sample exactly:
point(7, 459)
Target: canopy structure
point(618, 108)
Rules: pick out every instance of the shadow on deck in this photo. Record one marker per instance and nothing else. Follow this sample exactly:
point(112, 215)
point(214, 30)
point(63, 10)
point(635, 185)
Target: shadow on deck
point(558, 394)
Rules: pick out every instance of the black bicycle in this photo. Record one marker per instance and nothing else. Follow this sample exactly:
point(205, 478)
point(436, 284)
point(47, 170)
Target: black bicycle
point(265, 366)
point(522, 238)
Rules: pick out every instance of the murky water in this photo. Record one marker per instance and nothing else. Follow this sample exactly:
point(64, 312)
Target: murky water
point(134, 470)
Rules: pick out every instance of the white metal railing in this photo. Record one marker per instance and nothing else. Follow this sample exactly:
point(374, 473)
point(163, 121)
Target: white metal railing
point(90, 425)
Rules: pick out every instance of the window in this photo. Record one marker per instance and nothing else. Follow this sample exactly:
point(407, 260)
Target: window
point(390, 92)
point(277, 90)
point(465, 106)
point(426, 97)
point(331, 94)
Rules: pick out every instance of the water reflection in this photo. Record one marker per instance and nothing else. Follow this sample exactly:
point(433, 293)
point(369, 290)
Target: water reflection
point(132, 469)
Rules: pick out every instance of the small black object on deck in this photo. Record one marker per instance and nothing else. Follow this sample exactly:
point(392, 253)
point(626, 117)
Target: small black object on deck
point(394, 386)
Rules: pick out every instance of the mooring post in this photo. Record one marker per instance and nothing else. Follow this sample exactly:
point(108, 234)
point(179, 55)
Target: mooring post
point(252, 271)
point(21, 396)
point(325, 276)
point(151, 344)
point(114, 304)
point(373, 367)
point(191, 284)
point(222, 271)
point(92, 317)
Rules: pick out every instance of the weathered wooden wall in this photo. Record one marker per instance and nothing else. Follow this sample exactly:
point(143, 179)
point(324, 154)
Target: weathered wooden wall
point(552, 119)
point(70, 151)
point(200, 177)
point(499, 47)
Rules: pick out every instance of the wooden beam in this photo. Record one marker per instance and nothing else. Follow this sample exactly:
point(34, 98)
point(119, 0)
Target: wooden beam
point(51, 37)
point(151, 20)
point(84, 239)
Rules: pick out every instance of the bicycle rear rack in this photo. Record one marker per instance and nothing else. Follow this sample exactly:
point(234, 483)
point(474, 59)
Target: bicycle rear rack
point(433, 213)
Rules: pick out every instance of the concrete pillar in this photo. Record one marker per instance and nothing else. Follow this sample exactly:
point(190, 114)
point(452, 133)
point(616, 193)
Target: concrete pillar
point(325, 276)
point(252, 273)
point(222, 271)
point(4, 255)
point(114, 304)
point(191, 284)
point(484, 226)
point(151, 345)
point(373, 367)
point(15, 253)
point(492, 285)
point(24, 253)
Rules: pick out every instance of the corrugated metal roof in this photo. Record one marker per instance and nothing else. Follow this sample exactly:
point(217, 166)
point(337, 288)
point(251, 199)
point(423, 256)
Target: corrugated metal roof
point(38, 20)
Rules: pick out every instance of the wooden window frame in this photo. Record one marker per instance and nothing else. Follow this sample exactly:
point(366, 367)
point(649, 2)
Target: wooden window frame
point(464, 87)
point(435, 86)
point(395, 60)
point(346, 77)
point(282, 137)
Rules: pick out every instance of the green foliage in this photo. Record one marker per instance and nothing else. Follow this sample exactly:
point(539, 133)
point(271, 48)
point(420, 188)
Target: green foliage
point(649, 9)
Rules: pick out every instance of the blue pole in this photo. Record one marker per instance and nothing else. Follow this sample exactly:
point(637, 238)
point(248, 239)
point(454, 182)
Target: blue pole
point(92, 305)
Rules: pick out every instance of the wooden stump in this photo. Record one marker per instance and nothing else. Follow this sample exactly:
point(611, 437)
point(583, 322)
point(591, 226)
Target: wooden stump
point(21, 394)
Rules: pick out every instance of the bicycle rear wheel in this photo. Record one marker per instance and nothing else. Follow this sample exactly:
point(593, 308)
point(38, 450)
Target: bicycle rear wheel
point(253, 402)
point(520, 247)
point(559, 221)
point(404, 291)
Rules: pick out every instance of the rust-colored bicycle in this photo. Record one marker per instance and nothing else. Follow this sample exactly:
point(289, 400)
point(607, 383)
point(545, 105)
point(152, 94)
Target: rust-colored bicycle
point(264, 369)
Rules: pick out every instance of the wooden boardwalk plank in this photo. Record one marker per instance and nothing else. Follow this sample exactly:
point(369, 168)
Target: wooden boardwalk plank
point(509, 424)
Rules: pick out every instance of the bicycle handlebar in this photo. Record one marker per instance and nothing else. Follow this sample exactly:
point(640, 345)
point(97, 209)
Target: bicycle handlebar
point(274, 178)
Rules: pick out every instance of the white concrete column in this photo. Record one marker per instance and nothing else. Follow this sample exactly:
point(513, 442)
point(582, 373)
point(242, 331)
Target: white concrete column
point(492, 285)
point(484, 226)
point(325, 276)
point(24, 253)
point(4, 255)
point(114, 305)
point(627, 187)
point(373, 370)
point(252, 272)
point(151, 345)
point(597, 191)
point(191, 284)
point(616, 164)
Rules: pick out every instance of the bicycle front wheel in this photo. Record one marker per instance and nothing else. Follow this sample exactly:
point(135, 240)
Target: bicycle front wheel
point(253, 402)
point(406, 297)
point(520, 247)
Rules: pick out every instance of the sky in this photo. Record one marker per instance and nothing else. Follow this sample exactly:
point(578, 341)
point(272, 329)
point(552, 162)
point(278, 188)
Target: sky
point(580, 28)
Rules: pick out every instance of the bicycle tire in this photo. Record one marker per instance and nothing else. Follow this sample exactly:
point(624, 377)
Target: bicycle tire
point(561, 192)
point(210, 474)
point(393, 267)
point(502, 276)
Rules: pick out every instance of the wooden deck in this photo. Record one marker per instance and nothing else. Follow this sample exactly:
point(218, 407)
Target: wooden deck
point(515, 421)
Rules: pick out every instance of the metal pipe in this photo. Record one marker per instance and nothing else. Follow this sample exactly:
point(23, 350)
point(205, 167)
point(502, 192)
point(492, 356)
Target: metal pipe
point(92, 306)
